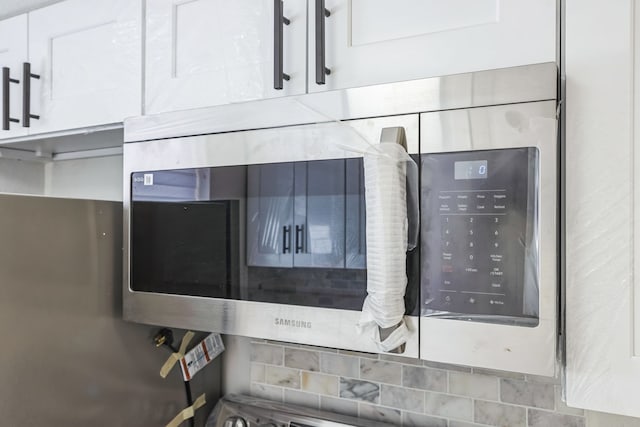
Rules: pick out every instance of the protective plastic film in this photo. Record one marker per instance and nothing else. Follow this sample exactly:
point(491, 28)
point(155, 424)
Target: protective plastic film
point(479, 236)
point(87, 54)
point(387, 167)
point(203, 53)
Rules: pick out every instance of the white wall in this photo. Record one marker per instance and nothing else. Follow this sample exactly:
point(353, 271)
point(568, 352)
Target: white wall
point(21, 177)
point(98, 178)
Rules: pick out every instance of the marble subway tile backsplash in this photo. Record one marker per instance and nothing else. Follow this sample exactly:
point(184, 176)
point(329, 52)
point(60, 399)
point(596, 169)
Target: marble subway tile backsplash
point(359, 390)
point(406, 392)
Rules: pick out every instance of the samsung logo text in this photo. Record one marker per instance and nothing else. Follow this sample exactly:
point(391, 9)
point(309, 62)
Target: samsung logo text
point(293, 323)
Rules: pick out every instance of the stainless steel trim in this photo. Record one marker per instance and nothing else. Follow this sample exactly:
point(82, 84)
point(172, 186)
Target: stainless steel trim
point(304, 325)
point(307, 325)
point(256, 411)
point(504, 86)
point(513, 348)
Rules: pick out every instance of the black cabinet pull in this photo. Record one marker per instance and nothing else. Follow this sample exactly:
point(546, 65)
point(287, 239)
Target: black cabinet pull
point(26, 94)
point(299, 238)
point(286, 239)
point(279, 21)
point(321, 69)
point(6, 99)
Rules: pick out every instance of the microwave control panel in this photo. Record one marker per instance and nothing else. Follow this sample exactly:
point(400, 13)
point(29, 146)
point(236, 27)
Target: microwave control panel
point(479, 254)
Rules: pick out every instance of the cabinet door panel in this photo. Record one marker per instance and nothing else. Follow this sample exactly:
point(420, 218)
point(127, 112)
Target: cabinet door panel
point(320, 214)
point(210, 52)
point(270, 215)
point(377, 41)
point(88, 56)
point(13, 53)
point(602, 210)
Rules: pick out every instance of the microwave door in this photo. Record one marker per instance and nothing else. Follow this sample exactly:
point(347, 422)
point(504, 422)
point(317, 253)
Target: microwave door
point(291, 204)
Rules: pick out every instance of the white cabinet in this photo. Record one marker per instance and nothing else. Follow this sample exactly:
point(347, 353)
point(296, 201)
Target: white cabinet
point(88, 56)
point(13, 53)
point(210, 52)
point(376, 41)
point(603, 205)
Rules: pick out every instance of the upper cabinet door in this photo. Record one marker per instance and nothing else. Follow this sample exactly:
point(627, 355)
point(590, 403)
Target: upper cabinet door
point(376, 41)
point(13, 53)
point(88, 56)
point(210, 52)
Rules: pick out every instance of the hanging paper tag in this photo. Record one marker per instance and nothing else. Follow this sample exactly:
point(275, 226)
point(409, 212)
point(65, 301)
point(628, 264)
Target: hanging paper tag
point(201, 355)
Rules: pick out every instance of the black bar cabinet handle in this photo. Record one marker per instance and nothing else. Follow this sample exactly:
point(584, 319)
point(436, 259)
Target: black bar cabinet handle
point(286, 239)
point(26, 94)
point(321, 69)
point(6, 99)
point(299, 238)
point(279, 21)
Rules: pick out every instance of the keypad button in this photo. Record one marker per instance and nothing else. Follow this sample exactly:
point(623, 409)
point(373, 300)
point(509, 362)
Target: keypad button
point(495, 284)
point(462, 203)
point(496, 257)
point(496, 272)
point(445, 203)
point(499, 202)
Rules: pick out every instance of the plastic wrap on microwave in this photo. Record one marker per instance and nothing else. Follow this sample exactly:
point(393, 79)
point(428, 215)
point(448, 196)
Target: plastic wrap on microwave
point(92, 57)
point(203, 53)
point(389, 236)
point(479, 236)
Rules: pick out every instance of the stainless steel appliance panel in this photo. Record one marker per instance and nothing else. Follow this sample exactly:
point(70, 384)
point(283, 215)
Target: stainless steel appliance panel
point(69, 359)
point(261, 149)
point(536, 82)
point(238, 410)
point(532, 348)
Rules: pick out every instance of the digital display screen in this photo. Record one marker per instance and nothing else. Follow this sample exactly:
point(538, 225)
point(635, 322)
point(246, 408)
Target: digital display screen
point(476, 169)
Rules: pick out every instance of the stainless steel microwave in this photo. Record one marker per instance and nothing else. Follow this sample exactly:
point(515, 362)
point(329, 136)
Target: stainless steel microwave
point(249, 219)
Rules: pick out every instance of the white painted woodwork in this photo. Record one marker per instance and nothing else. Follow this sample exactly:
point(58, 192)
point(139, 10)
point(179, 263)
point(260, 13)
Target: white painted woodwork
point(603, 214)
point(89, 57)
point(210, 52)
point(378, 41)
point(13, 53)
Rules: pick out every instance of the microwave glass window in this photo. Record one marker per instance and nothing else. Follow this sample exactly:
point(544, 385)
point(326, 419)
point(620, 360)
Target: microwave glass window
point(479, 235)
point(288, 233)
